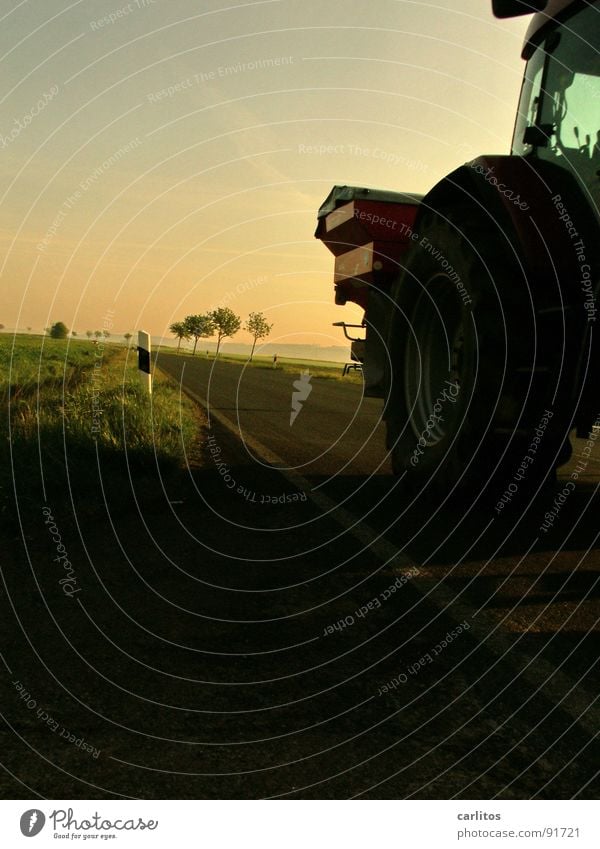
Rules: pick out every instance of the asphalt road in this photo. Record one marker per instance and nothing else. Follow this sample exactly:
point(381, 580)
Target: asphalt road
point(336, 431)
point(280, 621)
point(530, 595)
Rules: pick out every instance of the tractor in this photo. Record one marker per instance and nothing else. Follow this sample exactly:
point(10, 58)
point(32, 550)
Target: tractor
point(480, 297)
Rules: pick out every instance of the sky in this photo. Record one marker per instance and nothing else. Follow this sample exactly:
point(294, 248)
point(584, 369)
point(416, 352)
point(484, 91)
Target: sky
point(165, 157)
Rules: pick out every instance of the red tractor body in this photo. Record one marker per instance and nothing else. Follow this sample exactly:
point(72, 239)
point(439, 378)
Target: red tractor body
point(489, 282)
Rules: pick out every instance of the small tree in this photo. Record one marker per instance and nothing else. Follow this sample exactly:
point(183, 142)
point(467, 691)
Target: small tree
point(97, 333)
point(259, 327)
point(179, 329)
point(226, 324)
point(59, 330)
point(199, 326)
point(89, 333)
point(127, 337)
point(106, 334)
point(73, 333)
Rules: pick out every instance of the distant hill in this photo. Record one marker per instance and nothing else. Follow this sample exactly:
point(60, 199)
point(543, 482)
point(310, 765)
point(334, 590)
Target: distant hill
point(327, 353)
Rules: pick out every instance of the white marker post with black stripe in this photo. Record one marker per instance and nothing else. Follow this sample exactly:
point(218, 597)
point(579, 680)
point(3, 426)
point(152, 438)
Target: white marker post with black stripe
point(144, 359)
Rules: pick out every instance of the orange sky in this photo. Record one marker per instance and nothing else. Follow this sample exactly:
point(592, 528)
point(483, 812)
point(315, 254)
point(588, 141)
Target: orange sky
point(160, 158)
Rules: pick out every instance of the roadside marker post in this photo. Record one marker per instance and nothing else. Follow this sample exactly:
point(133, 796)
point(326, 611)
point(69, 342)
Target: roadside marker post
point(144, 360)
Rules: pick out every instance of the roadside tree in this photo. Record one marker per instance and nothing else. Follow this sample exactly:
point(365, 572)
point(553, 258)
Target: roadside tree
point(226, 324)
point(180, 331)
point(59, 330)
point(259, 327)
point(199, 327)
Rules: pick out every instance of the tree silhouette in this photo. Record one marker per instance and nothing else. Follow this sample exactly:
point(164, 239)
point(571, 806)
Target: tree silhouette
point(127, 337)
point(199, 326)
point(179, 329)
point(259, 327)
point(226, 323)
point(89, 333)
point(97, 333)
point(106, 334)
point(59, 330)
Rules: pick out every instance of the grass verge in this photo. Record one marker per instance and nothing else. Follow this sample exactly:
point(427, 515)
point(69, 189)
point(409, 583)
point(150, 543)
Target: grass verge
point(318, 368)
point(72, 408)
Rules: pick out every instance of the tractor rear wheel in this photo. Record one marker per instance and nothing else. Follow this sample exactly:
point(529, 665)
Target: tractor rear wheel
point(475, 364)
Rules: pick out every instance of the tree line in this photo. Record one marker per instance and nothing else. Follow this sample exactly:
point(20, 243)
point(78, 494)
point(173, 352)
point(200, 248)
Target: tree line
point(59, 330)
point(222, 323)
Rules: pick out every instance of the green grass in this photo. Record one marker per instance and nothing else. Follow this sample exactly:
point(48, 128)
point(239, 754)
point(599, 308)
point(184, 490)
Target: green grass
point(69, 407)
point(318, 368)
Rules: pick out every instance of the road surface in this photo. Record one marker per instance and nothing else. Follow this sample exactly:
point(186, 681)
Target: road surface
point(305, 632)
point(278, 620)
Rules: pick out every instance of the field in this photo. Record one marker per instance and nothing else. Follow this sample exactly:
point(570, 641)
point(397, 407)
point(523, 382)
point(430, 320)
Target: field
point(318, 368)
point(70, 407)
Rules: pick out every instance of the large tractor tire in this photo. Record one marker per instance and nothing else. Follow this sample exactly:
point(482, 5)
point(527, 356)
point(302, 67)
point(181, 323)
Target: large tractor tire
point(477, 364)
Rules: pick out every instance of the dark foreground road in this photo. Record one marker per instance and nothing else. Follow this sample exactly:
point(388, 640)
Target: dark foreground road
point(248, 632)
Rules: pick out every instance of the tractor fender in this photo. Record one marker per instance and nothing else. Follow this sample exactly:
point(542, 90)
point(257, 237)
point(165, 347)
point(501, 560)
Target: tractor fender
point(536, 208)
point(538, 211)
